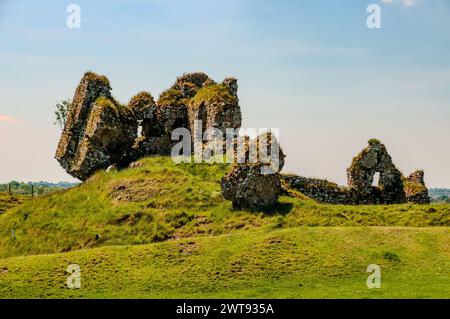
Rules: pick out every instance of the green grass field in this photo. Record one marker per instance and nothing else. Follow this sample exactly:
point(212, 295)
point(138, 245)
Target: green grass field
point(301, 262)
point(163, 231)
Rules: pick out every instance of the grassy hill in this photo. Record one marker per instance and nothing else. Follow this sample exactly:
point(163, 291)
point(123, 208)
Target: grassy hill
point(164, 230)
point(302, 262)
point(9, 201)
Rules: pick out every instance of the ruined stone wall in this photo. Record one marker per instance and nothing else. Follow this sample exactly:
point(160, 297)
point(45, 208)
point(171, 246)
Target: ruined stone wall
point(255, 185)
point(415, 189)
point(97, 131)
point(392, 188)
point(320, 190)
point(101, 132)
point(376, 159)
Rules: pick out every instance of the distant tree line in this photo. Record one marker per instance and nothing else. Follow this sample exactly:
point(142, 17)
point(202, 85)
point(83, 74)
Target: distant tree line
point(38, 188)
point(441, 195)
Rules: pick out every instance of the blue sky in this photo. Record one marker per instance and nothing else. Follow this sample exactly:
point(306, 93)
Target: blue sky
point(310, 68)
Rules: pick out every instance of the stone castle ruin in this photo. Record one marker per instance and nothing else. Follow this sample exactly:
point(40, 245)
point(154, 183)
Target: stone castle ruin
point(101, 133)
point(375, 159)
point(392, 188)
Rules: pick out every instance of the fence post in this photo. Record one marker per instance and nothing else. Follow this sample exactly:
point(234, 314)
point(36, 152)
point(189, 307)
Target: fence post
point(32, 190)
point(9, 188)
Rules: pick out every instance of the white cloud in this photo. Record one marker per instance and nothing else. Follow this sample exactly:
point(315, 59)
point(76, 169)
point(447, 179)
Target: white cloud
point(8, 119)
point(406, 3)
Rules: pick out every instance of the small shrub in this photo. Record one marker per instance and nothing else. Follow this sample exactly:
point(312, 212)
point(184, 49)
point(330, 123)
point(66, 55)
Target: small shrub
point(178, 219)
point(391, 256)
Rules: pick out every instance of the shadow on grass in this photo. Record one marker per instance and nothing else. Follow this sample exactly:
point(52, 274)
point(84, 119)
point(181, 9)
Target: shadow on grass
point(279, 209)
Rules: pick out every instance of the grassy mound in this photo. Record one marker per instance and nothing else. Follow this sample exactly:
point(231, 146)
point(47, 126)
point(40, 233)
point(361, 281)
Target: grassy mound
point(9, 201)
point(163, 201)
point(302, 262)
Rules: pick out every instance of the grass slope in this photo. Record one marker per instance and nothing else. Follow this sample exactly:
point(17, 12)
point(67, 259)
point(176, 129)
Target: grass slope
point(9, 201)
point(300, 262)
point(161, 201)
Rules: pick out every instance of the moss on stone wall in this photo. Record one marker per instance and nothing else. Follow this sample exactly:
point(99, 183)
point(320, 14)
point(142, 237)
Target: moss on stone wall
point(91, 76)
point(105, 102)
point(374, 141)
point(112, 104)
point(171, 97)
point(213, 93)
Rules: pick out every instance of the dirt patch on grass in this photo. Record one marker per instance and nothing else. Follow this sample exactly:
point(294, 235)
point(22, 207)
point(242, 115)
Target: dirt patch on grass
point(133, 190)
point(10, 201)
point(189, 248)
point(132, 219)
point(3, 270)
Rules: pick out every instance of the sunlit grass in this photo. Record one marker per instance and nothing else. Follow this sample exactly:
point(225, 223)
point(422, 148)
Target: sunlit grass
point(301, 262)
point(162, 200)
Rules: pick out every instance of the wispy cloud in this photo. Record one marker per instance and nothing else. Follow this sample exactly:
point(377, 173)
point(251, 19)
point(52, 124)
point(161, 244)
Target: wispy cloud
point(8, 119)
point(286, 48)
point(406, 3)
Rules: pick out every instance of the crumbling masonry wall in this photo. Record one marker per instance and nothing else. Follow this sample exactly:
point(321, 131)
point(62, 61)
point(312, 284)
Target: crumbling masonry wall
point(101, 132)
point(392, 188)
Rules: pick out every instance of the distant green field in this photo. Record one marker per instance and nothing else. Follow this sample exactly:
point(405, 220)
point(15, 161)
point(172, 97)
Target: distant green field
point(164, 230)
point(301, 262)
